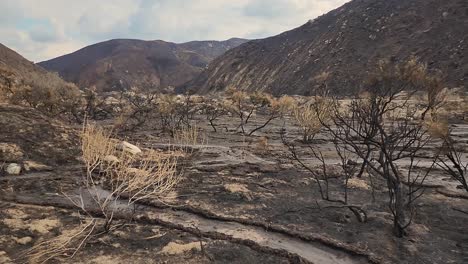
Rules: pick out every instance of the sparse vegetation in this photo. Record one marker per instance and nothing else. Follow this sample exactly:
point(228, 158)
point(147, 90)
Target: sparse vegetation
point(114, 179)
point(45, 92)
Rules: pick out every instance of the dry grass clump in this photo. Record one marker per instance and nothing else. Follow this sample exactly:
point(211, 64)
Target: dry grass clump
point(66, 245)
point(285, 104)
point(119, 177)
point(112, 176)
point(357, 183)
point(437, 128)
point(189, 136)
point(310, 116)
point(173, 248)
point(262, 145)
point(122, 172)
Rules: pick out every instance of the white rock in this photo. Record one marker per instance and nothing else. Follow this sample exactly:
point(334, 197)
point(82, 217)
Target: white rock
point(23, 240)
point(111, 159)
point(127, 147)
point(13, 169)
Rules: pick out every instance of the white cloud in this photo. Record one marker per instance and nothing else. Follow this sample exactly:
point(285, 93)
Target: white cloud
point(45, 29)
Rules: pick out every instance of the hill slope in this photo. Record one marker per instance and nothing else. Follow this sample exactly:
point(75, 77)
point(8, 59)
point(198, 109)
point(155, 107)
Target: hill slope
point(124, 63)
point(25, 71)
point(347, 42)
point(16, 63)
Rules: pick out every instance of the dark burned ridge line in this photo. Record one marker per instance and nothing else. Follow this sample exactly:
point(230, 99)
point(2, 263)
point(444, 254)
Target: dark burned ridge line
point(142, 219)
point(353, 251)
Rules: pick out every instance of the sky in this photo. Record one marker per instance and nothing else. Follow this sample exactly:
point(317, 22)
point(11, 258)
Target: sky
point(44, 29)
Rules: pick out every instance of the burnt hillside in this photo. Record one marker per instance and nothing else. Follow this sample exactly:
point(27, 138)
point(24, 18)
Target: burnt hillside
point(347, 42)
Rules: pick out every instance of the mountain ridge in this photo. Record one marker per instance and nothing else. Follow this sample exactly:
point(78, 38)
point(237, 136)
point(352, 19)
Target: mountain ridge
point(347, 43)
point(120, 64)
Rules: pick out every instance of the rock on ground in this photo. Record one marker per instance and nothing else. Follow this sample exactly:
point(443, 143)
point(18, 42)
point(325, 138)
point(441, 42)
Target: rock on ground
point(127, 147)
point(13, 169)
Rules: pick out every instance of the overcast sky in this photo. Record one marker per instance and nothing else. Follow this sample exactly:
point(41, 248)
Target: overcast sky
point(44, 29)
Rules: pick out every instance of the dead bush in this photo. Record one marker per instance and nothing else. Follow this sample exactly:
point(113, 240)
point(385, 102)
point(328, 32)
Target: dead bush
point(247, 105)
point(112, 178)
point(189, 136)
point(175, 112)
point(136, 108)
point(7, 82)
point(95, 106)
point(437, 129)
point(43, 91)
point(123, 176)
point(372, 131)
point(66, 245)
point(309, 116)
point(417, 75)
point(213, 109)
point(48, 94)
point(450, 156)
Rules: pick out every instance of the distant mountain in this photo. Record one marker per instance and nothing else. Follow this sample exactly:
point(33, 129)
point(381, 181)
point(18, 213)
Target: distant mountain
point(347, 43)
point(24, 70)
point(124, 63)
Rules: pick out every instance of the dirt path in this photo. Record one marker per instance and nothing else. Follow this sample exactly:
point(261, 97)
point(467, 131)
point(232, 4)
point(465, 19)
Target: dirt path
point(311, 252)
point(255, 237)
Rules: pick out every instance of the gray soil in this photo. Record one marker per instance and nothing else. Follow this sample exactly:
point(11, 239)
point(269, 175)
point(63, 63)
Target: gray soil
point(247, 205)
